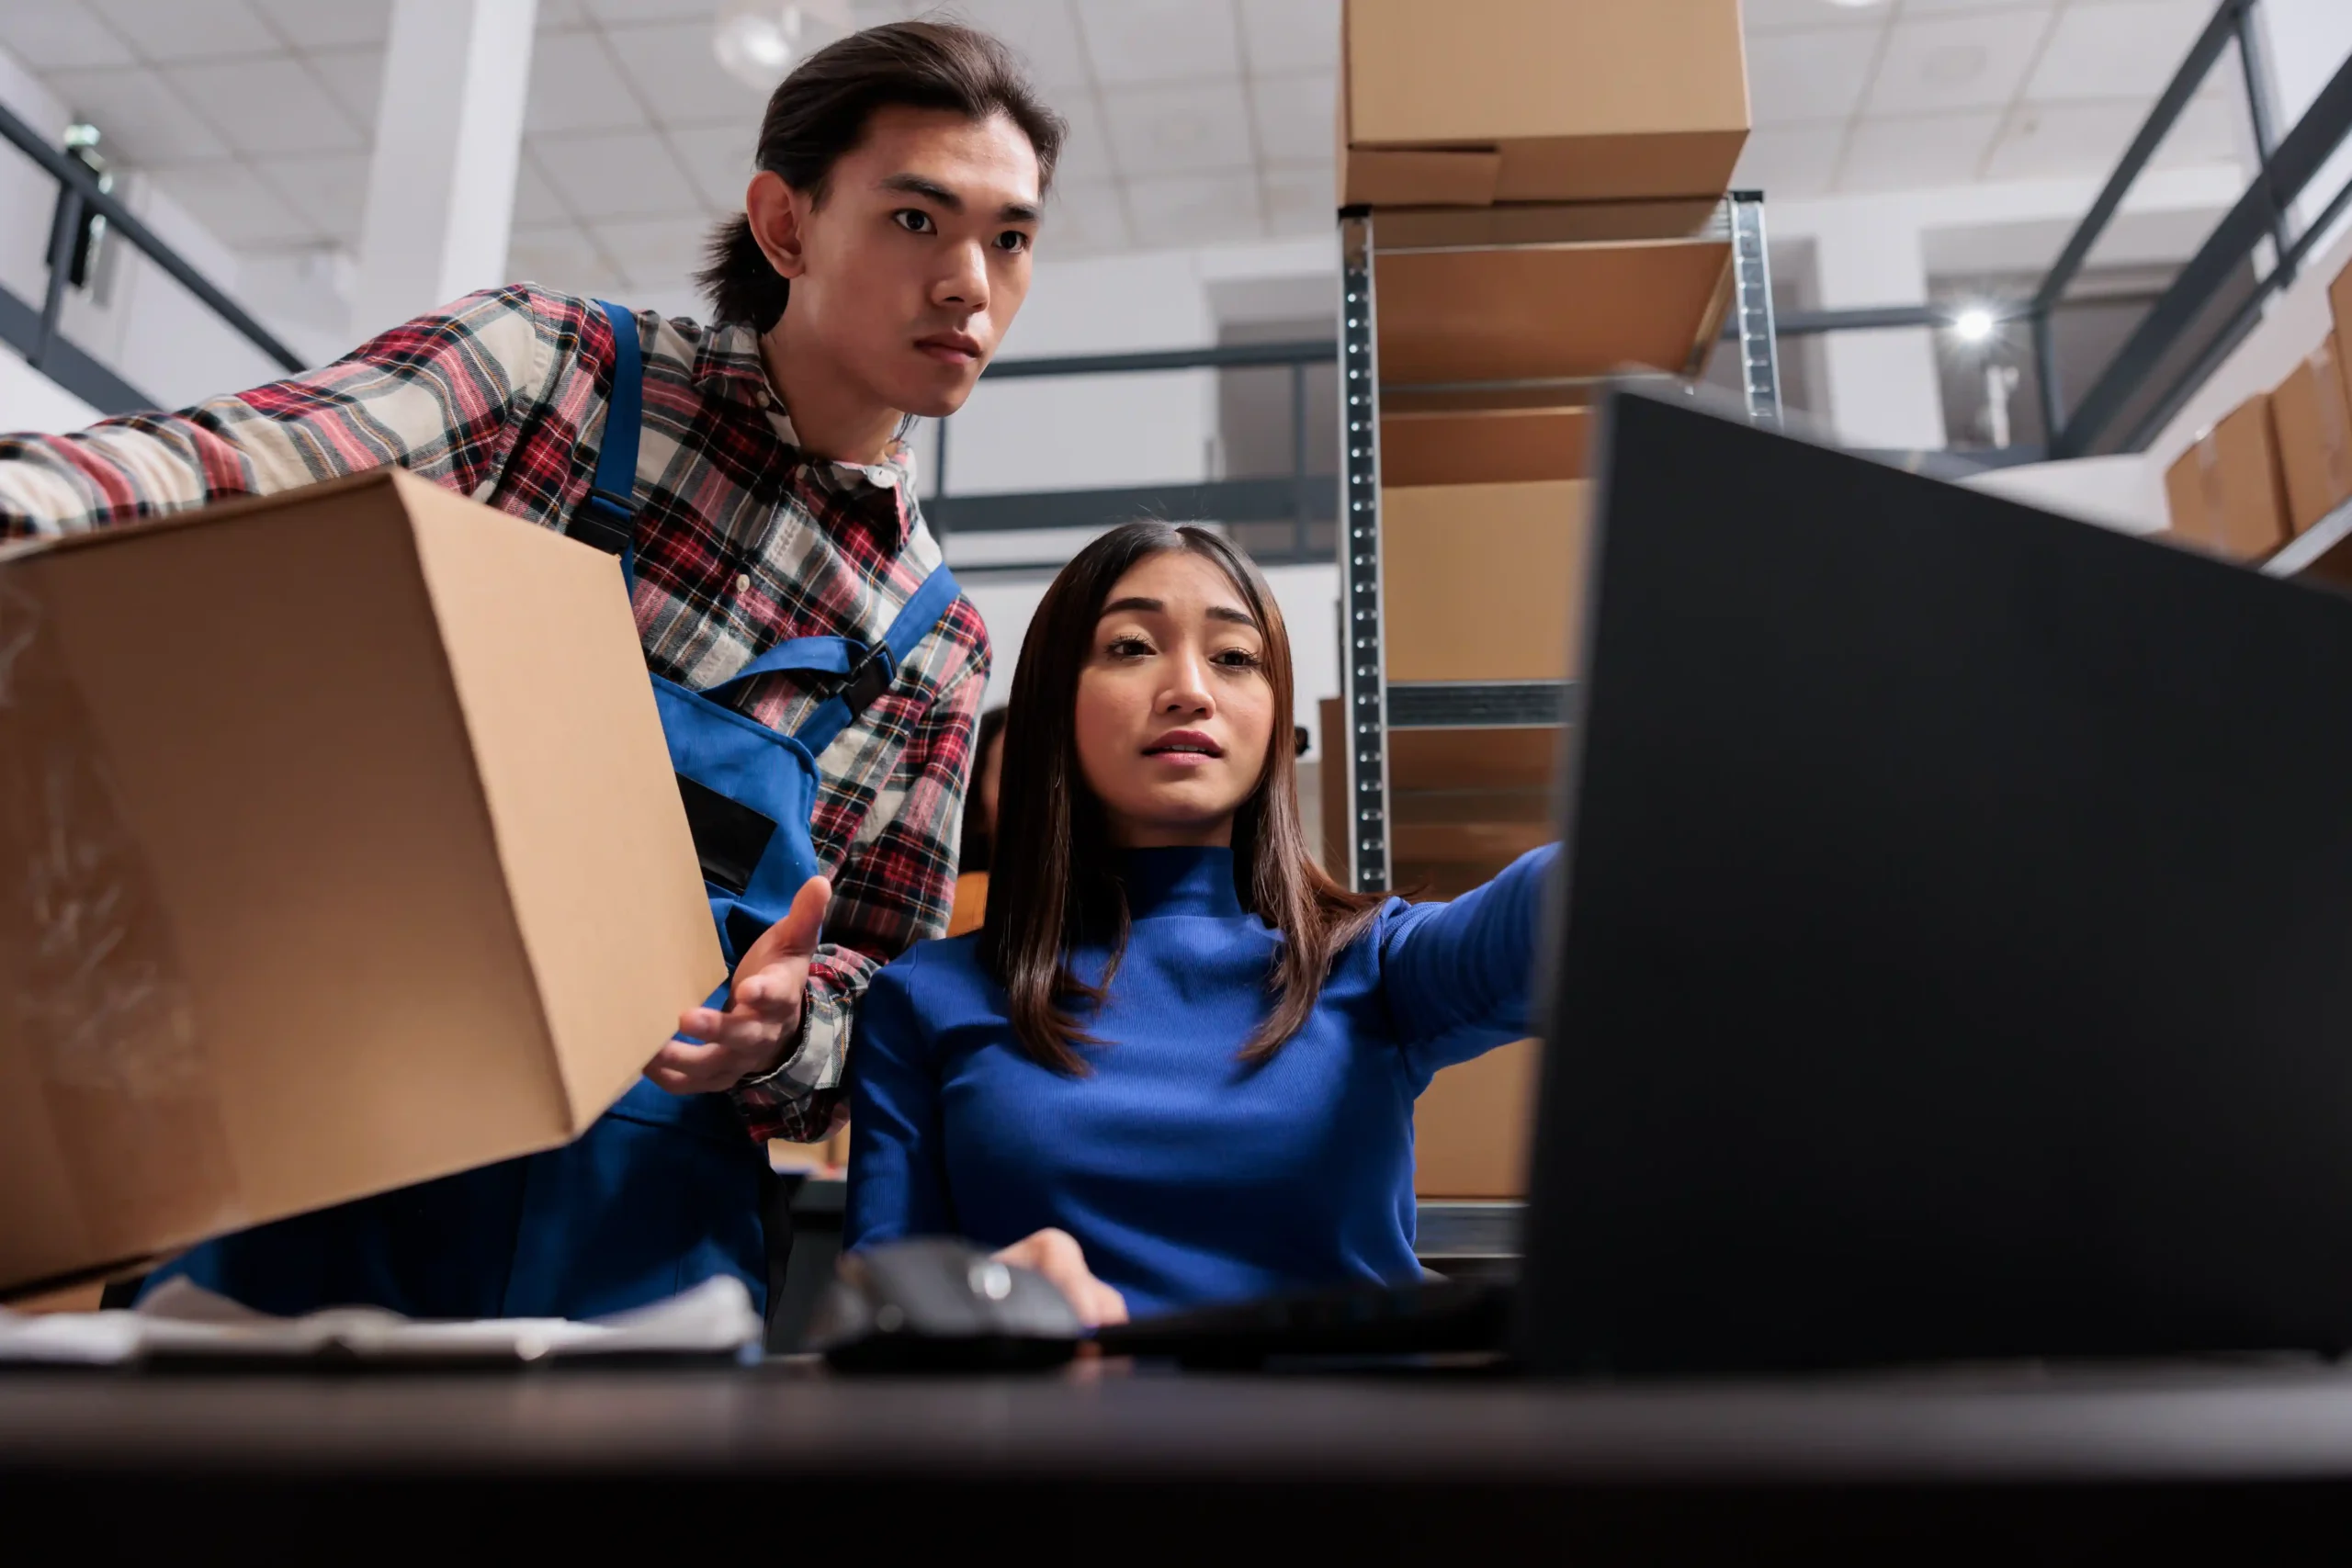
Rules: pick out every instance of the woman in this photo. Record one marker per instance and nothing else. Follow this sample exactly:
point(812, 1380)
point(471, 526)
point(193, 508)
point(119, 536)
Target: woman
point(979, 825)
point(1177, 1064)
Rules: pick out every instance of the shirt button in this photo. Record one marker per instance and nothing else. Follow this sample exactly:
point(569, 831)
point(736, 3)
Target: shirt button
point(742, 582)
point(767, 400)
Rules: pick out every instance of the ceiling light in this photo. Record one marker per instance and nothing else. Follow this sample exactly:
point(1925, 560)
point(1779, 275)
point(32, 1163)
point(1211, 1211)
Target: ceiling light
point(759, 41)
point(1973, 325)
point(1857, 4)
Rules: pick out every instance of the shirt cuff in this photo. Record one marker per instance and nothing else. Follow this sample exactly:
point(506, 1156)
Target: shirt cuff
point(801, 1100)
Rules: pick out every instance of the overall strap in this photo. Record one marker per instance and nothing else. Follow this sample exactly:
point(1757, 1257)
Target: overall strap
point(879, 670)
point(608, 518)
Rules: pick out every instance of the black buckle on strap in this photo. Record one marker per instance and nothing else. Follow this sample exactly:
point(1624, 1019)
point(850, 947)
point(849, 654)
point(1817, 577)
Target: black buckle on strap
point(871, 678)
point(604, 520)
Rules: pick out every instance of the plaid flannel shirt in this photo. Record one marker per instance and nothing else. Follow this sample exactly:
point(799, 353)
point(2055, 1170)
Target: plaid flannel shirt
point(742, 540)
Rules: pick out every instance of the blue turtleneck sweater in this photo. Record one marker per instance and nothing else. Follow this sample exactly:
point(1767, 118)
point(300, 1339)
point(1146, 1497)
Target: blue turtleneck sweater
point(1186, 1177)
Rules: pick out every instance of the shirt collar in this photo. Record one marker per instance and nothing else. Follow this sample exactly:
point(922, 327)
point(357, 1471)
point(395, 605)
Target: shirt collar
point(729, 363)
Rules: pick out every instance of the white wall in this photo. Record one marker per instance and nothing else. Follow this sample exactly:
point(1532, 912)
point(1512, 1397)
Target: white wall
point(32, 401)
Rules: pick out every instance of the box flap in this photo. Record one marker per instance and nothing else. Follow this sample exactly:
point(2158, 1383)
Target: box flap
point(1459, 446)
point(1419, 176)
point(599, 863)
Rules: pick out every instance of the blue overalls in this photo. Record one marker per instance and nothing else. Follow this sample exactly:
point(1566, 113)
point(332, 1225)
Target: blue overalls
point(663, 1190)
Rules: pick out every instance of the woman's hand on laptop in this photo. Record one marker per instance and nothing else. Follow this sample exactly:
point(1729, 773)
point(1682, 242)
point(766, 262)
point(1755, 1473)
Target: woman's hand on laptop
point(762, 1019)
point(1056, 1255)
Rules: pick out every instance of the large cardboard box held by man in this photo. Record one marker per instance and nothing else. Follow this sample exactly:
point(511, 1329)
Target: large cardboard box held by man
point(339, 850)
point(1481, 101)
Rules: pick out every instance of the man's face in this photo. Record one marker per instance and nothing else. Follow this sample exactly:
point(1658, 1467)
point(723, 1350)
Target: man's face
point(914, 264)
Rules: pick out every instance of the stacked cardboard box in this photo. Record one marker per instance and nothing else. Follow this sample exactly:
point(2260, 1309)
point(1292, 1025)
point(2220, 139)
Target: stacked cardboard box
point(2277, 463)
point(1545, 179)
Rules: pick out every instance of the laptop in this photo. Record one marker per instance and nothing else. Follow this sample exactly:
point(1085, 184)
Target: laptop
point(1952, 958)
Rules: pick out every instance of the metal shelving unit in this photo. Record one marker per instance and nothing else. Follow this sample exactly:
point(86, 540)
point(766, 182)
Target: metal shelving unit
point(1372, 705)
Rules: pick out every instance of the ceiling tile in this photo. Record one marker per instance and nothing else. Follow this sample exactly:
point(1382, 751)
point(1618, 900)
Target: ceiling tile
point(1297, 117)
point(2043, 142)
point(717, 158)
point(621, 12)
point(561, 256)
point(1158, 40)
point(1086, 151)
point(2117, 50)
point(1955, 63)
point(536, 202)
point(2210, 130)
point(142, 117)
point(60, 35)
point(1791, 163)
point(1183, 210)
point(1793, 78)
point(329, 189)
point(1788, 15)
point(1044, 32)
point(353, 78)
point(1291, 35)
point(575, 86)
point(1918, 154)
point(629, 173)
point(231, 201)
point(654, 252)
point(328, 24)
point(1301, 198)
point(1084, 219)
point(1180, 129)
point(269, 105)
point(675, 71)
point(163, 31)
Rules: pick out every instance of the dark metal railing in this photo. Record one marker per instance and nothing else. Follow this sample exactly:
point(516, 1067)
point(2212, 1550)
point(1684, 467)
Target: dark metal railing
point(36, 334)
point(2164, 362)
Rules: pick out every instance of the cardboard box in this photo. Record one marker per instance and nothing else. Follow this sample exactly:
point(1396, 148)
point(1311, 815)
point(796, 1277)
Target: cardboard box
point(2309, 419)
point(1449, 614)
point(1449, 315)
point(2227, 493)
point(1483, 101)
point(2339, 303)
point(1541, 439)
point(1471, 1125)
point(346, 853)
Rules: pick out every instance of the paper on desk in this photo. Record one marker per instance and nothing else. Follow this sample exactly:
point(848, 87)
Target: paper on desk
point(715, 1317)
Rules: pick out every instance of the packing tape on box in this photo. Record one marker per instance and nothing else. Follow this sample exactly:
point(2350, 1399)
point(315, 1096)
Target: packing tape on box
point(98, 1023)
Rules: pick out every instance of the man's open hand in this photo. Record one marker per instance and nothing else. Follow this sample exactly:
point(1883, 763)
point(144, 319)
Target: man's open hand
point(719, 1050)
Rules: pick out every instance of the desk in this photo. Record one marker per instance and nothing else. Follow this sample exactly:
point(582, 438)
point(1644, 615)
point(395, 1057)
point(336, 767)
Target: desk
point(1107, 1464)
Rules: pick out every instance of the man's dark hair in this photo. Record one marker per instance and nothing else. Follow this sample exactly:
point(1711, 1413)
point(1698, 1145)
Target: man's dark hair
point(820, 112)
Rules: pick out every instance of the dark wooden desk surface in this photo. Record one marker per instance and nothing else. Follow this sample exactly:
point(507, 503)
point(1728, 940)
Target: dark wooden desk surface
point(2079, 1459)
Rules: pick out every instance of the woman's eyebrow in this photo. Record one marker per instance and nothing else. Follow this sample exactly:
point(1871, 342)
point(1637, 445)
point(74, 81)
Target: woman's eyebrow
point(1141, 605)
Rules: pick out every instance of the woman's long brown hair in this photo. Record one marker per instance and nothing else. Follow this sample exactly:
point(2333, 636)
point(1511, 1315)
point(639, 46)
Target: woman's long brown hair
point(1054, 883)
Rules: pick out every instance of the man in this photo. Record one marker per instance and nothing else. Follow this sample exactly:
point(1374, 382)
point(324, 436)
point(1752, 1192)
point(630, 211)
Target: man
point(763, 505)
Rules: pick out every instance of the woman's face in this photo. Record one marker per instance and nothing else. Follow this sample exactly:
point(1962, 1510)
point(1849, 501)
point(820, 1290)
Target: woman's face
point(1174, 709)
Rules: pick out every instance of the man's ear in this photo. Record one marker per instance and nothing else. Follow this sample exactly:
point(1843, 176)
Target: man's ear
point(777, 215)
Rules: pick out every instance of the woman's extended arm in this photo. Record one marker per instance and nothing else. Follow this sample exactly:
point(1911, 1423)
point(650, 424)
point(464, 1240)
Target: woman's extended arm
point(1459, 974)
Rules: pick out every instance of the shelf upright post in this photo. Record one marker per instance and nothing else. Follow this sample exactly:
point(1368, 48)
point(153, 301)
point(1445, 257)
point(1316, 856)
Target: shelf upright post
point(1759, 361)
point(1363, 673)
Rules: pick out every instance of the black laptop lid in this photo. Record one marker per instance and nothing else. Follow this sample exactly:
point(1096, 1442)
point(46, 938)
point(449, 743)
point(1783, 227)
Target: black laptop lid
point(1955, 957)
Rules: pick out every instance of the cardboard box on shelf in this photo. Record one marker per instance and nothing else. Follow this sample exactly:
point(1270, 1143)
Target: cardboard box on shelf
point(1485, 581)
point(1471, 1126)
point(349, 854)
point(2312, 422)
point(2227, 493)
point(1488, 101)
point(1430, 443)
point(1552, 312)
